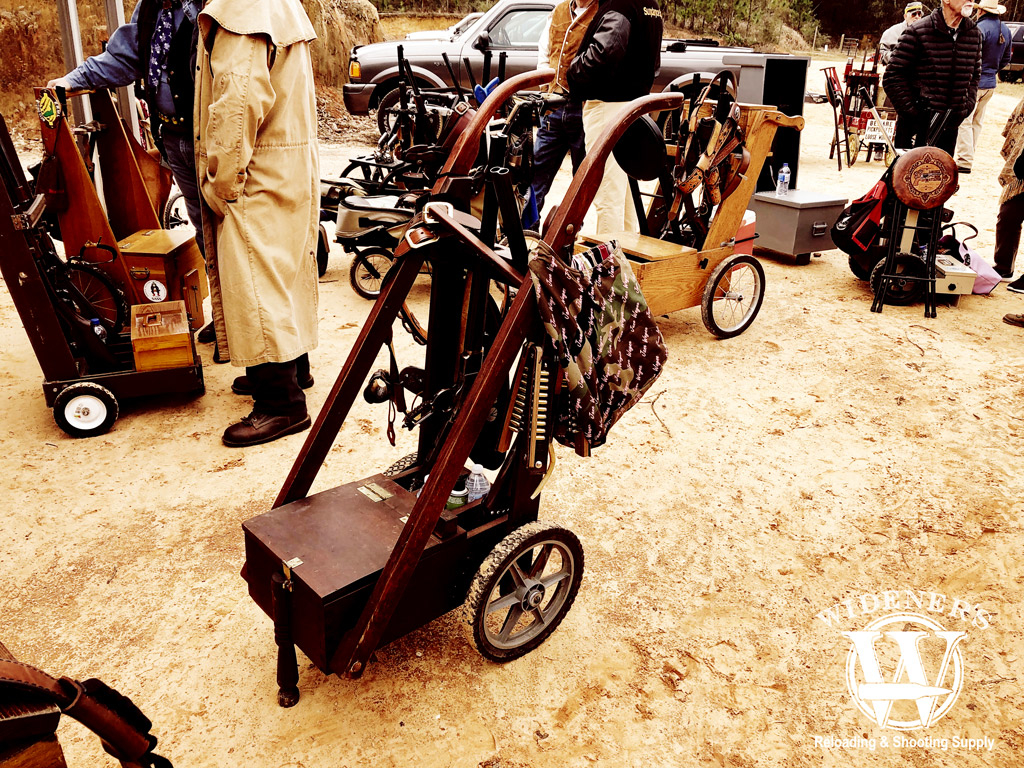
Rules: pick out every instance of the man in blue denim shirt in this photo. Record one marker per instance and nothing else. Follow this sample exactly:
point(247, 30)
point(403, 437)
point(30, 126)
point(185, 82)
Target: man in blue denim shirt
point(157, 49)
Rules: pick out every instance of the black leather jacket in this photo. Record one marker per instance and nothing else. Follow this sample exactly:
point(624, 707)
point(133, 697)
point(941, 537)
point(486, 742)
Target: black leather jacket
point(620, 54)
point(932, 71)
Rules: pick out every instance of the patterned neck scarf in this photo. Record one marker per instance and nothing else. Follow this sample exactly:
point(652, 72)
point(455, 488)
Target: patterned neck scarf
point(161, 44)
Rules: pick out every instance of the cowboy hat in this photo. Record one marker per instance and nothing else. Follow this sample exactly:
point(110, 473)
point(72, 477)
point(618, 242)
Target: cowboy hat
point(991, 6)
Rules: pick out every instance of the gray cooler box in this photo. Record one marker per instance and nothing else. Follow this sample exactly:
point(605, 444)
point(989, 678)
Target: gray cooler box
point(796, 224)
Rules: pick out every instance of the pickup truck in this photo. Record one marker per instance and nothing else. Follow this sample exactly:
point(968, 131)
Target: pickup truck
point(513, 27)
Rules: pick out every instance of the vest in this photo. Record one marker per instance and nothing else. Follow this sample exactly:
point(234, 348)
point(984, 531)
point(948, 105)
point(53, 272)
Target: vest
point(181, 60)
point(566, 35)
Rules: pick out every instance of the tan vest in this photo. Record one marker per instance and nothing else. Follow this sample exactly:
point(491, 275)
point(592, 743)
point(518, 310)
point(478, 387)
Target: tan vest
point(565, 37)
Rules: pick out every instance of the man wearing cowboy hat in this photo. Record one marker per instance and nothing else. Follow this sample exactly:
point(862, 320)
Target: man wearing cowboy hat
point(995, 54)
point(891, 36)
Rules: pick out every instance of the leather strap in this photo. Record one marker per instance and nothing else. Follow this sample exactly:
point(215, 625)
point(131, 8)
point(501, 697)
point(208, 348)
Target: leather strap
point(121, 726)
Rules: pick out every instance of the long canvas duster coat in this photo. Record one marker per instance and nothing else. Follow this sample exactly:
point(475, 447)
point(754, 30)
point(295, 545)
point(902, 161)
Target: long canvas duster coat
point(257, 161)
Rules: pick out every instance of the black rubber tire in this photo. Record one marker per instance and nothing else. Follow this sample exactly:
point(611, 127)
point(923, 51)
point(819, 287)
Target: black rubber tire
point(388, 101)
point(715, 295)
point(496, 582)
point(402, 464)
point(172, 216)
point(858, 271)
point(323, 251)
point(901, 292)
point(85, 409)
point(365, 274)
point(103, 293)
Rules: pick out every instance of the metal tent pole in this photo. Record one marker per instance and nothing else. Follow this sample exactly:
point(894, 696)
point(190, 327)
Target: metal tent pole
point(125, 97)
point(71, 39)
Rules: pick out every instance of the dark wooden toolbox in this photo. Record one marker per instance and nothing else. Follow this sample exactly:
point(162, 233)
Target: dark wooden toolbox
point(336, 542)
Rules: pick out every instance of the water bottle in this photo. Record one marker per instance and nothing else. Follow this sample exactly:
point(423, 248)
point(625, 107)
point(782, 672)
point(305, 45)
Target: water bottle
point(782, 187)
point(476, 484)
point(425, 478)
point(98, 329)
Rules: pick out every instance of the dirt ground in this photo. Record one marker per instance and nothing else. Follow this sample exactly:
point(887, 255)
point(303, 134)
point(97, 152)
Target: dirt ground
point(824, 454)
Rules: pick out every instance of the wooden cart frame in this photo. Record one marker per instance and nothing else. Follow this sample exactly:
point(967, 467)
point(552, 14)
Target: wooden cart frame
point(345, 570)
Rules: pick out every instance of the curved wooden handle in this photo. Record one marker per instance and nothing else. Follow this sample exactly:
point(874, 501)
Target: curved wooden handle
point(468, 145)
point(569, 216)
point(784, 121)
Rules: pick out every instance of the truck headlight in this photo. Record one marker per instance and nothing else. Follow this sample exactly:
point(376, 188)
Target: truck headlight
point(354, 70)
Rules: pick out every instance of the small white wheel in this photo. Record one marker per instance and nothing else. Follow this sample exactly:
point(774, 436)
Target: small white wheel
point(85, 409)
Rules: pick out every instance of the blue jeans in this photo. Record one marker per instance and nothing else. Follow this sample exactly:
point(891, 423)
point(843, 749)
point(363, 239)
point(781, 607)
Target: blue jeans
point(179, 150)
point(561, 132)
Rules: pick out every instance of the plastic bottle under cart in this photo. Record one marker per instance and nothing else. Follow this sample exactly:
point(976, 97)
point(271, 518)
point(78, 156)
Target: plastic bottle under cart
point(477, 484)
point(98, 329)
point(782, 186)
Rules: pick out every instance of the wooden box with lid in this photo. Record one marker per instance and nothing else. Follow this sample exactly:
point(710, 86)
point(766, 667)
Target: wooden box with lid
point(160, 336)
point(168, 265)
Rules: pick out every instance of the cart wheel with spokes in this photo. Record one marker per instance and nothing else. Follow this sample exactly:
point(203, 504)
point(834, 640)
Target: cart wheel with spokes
point(85, 409)
point(523, 590)
point(369, 266)
point(175, 213)
point(105, 298)
point(901, 291)
point(733, 296)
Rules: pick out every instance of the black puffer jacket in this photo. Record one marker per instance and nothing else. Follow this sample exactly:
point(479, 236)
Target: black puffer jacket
point(930, 71)
point(620, 53)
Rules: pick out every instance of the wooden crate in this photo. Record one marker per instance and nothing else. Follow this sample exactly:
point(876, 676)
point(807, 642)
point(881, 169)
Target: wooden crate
point(170, 258)
point(160, 336)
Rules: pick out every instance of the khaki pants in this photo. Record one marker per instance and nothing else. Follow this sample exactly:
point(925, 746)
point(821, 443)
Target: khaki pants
point(615, 209)
point(970, 130)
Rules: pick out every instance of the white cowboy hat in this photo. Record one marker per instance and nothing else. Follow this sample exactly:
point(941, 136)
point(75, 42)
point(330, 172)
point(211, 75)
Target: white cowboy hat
point(990, 6)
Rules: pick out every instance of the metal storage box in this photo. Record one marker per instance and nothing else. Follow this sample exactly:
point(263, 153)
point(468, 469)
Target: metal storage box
point(796, 224)
point(952, 276)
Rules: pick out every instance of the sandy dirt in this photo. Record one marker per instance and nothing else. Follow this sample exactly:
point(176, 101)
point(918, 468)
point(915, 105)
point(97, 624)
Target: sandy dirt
point(824, 454)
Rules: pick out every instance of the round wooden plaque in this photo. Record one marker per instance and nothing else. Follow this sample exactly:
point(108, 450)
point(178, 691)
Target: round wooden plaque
point(924, 178)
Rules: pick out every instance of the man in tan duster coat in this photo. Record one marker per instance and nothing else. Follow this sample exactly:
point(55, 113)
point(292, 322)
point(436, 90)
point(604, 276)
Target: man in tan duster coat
point(256, 157)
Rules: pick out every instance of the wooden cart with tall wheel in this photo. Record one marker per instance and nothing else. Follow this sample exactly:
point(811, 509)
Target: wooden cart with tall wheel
point(727, 286)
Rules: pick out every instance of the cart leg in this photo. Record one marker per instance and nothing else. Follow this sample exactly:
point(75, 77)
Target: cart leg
point(803, 259)
point(287, 666)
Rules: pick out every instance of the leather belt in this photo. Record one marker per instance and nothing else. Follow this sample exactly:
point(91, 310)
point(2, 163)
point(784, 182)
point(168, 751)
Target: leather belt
point(121, 726)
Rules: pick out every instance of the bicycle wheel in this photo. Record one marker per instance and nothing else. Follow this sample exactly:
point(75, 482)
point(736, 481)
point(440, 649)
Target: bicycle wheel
point(102, 296)
point(175, 213)
point(368, 270)
point(733, 296)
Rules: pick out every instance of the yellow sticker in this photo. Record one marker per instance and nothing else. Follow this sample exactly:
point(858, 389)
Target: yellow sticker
point(49, 109)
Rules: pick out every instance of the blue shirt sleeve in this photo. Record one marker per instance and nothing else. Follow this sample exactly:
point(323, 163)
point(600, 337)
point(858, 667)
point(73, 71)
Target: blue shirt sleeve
point(118, 65)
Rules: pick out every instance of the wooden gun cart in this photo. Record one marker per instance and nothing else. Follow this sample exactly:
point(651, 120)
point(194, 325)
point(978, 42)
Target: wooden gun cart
point(345, 570)
point(76, 309)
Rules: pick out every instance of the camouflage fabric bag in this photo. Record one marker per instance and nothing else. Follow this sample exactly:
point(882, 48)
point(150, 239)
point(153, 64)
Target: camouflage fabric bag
point(607, 343)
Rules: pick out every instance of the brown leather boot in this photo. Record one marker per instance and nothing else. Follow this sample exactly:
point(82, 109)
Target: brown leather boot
point(260, 427)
